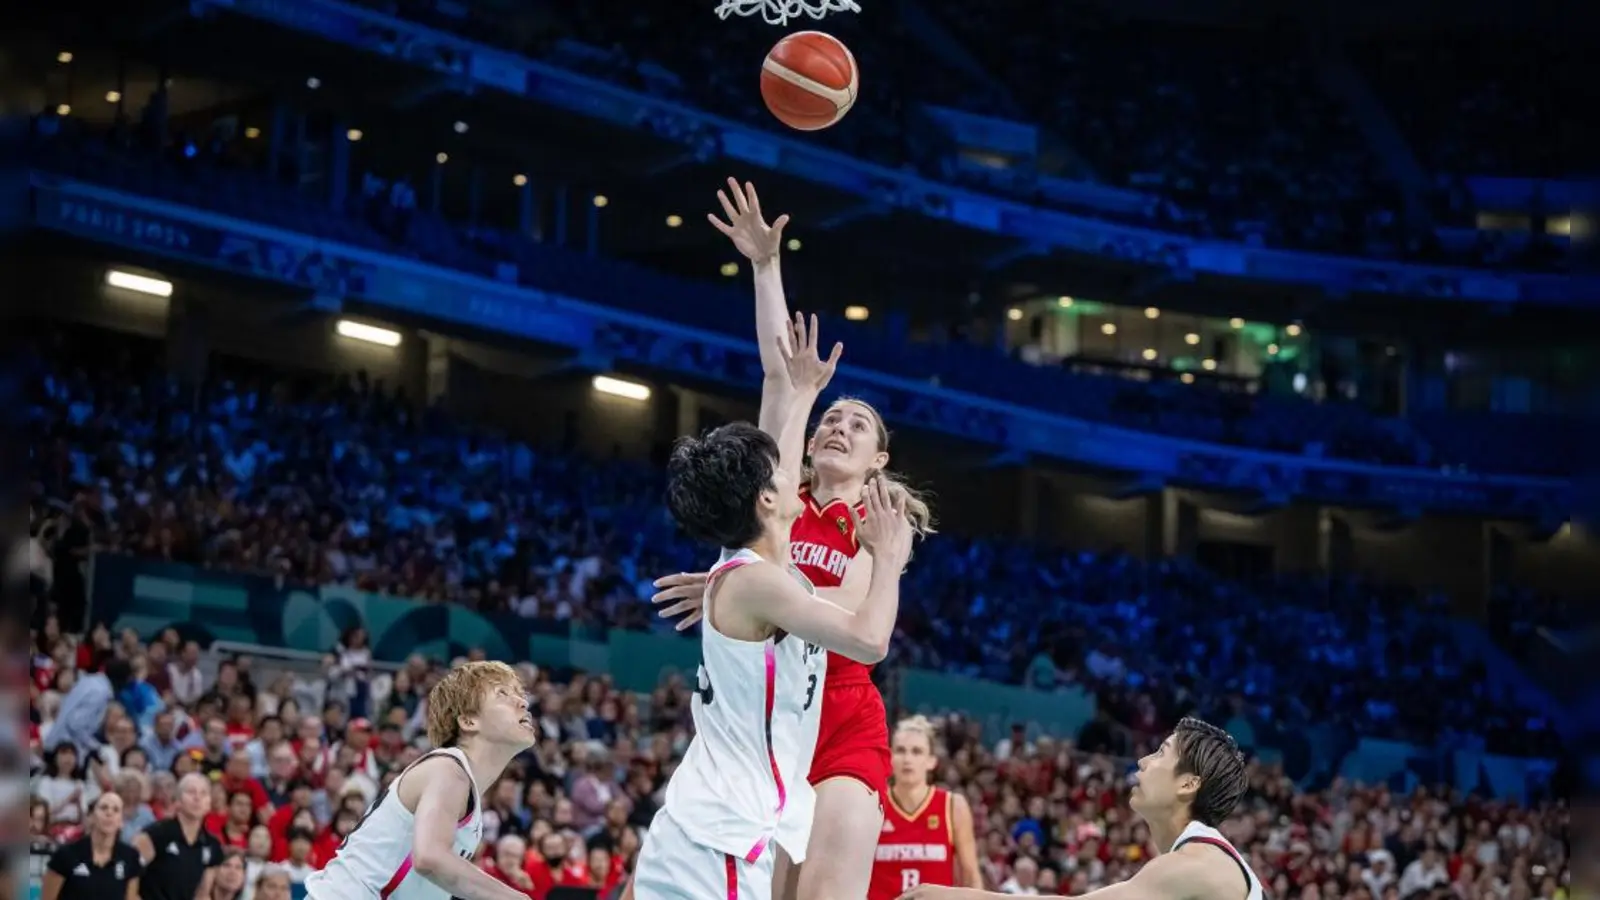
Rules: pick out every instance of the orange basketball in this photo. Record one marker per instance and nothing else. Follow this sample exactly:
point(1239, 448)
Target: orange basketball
point(809, 80)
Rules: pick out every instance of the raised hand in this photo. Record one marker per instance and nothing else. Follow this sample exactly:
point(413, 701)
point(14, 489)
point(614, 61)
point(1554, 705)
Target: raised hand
point(809, 373)
point(750, 233)
point(886, 531)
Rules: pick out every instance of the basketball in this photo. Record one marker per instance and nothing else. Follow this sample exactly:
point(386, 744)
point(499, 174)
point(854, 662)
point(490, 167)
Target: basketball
point(809, 80)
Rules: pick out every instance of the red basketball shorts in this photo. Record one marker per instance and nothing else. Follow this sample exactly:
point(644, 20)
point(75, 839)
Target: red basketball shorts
point(852, 737)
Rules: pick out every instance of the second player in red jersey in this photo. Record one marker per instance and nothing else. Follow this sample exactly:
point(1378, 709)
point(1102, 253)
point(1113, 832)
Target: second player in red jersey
point(927, 833)
point(853, 737)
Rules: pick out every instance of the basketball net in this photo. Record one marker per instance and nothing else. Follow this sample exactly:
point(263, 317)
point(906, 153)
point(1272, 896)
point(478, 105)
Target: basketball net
point(779, 12)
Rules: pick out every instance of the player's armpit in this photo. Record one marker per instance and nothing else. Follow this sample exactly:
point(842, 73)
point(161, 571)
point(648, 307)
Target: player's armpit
point(783, 603)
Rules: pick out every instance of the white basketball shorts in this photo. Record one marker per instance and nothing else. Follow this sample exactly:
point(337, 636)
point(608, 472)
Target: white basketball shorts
point(672, 867)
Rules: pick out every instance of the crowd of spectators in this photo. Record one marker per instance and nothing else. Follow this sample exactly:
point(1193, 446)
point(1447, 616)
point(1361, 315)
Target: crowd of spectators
point(266, 765)
point(320, 480)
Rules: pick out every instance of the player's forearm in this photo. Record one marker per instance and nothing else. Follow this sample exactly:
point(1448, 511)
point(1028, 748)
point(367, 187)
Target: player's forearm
point(772, 314)
point(791, 435)
point(465, 880)
point(876, 616)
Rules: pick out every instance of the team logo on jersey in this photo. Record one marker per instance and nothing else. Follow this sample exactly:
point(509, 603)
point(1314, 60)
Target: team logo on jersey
point(81, 870)
point(843, 523)
point(121, 872)
point(933, 821)
point(888, 826)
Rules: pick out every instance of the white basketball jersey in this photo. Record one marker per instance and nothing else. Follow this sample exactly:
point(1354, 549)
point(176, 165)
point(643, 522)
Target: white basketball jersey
point(375, 859)
point(1196, 833)
point(742, 783)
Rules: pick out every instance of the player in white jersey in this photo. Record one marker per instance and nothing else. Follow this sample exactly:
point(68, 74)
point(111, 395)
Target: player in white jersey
point(1182, 791)
point(742, 784)
point(418, 838)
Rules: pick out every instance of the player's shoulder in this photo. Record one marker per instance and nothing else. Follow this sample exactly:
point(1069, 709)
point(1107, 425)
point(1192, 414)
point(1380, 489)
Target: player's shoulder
point(1202, 870)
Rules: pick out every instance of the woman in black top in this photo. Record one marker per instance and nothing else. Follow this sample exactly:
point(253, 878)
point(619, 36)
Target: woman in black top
point(97, 866)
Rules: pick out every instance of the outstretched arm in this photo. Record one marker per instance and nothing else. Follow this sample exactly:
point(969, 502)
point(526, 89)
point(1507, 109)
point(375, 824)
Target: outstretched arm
point(761, 244)
point(1173, 876)
point(862, 635)
point(806, 374)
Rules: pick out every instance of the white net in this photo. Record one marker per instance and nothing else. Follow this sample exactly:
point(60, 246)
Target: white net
point(779, 12)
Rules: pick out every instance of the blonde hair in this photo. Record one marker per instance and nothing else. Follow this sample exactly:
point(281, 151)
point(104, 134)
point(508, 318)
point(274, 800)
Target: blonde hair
point(460, 693)
point(920, 725)
point(917, 508)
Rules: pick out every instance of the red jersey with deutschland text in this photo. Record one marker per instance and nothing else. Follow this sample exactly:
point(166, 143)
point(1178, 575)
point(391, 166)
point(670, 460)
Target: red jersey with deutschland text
point(915, 847)
point(821, 544)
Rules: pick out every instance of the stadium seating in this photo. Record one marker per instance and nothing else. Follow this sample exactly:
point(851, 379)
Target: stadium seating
point(1230, 127)
point(1291, 425)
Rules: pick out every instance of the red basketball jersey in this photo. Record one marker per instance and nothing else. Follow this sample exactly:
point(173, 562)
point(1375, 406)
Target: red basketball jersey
point(821, 544)
point(916, 847)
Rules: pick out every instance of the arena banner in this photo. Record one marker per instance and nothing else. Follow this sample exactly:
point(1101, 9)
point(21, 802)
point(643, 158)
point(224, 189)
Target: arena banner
point(149, 595)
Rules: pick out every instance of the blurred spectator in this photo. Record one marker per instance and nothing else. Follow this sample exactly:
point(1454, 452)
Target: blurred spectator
point(83, 709)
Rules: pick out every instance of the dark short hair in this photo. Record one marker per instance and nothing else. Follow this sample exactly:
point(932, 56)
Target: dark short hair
point(1211, 753)
point(714, 482)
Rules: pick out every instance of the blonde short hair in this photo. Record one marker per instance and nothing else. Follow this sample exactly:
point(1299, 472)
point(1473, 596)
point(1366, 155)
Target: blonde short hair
point(920, 725)
point(460, 693)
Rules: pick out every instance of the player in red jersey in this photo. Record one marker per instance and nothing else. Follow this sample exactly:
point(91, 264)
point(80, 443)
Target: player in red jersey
point(850, 446)
point(927, 831)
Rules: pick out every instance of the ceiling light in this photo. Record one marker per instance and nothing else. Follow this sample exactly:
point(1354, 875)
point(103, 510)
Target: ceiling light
point(856, 313)
point(461, 127)
point(1292, 331)
point(1108, 328)
point(1235, 322)
point(616, 387)
point(441, 157)
point(113, 96)
point(143, 284)
point(600, 201)
point(519, 180)
point(64, 109)
point(1064, 302)
point(64, 57)
point(674, 220)
point(1191, 339)
point(1014, 314)
point(730, 269)
point(1150, 312)
point(372, 334)
point(353, 134)
point(252, 133)
point(313, 82)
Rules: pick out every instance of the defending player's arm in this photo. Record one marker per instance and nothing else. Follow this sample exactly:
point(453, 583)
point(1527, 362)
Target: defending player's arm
point(807, 374)
point(962, 834)
point(1184, 875)
point(761, 244)
point(864, 634)
point(445, 792)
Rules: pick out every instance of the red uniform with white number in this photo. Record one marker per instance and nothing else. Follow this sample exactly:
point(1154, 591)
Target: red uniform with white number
point(916, 847)
point(853, 738)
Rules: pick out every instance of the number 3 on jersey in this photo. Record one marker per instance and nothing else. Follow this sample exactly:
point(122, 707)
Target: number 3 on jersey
point(811, 690)
point(909, 878)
